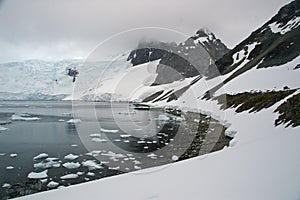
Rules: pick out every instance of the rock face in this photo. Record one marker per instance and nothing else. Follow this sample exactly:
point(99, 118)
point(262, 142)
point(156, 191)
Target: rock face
point(178, 61)
point(275, 43)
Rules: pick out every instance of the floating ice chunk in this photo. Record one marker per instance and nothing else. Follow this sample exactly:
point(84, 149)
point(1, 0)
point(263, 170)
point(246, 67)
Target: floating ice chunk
point(125, 136)
point(117, 140)
point(23, 117)
point(38, 175)
point(175, 158)
point(41, 156)
point(61, 120)
point(80, 173)
point(74, 121)
point(109, 131)
point(98, 140)
point(90, 174)
point(52, 184)
point(74, 145)
point(92, 165)
point(46, 165)
point(136, 162)
point(5, 122)
point(71, 165)
point(71, 157)
point(6, 185)
point(151, 155)
point(95, 135)
point(69, 176)
point(141, 142)
point(2, 154)
point(126, 141)
point(114, 168)
point(13, 155)
point(9, 167)
point(3, 128)
point(113, 155)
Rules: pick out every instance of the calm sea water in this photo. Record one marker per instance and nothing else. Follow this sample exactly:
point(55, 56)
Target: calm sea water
point(108, 140)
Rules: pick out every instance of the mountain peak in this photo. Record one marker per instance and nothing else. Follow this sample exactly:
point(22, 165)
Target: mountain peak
point(203, 32)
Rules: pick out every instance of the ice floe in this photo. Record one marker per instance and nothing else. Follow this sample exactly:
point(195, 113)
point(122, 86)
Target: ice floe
point(69, 176)
point(71, 165)
point(95, 135)
point(9, 167)
point(13, 155)
point(125, 136)
point(38, 175)
point(98, 140)
point(92, 165)
point(6, 185)
point(109, 131)
point(71, 157)
point(23, 117)
point(74, 121)
point(41, 156)
point(3, 128)
point(52, 184)
point(91, 174)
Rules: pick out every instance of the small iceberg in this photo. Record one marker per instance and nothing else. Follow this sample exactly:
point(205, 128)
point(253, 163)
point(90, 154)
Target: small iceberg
point(3, 128)
point(95, 135)
point(38, 175)
point(99, 140)
point(71, 157)
point(52, 184)
point(6, 185)
point(41, 156)
point(69, 176)
point(71, 165)
point(74, 121)
point(9, 167)
point(109, 131)
point(13, 155)
point(46, 165)
point(125, 136)
point(90, 174)
point(23, 117)
point(92, 165)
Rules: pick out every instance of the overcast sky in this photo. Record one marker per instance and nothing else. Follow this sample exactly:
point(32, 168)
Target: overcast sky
point(63, 29)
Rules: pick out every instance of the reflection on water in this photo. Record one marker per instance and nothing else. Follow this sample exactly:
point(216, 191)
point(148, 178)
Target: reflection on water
point(108, 139)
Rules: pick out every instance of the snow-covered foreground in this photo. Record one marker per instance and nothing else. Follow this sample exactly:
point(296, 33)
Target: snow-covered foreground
point(268, 167)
